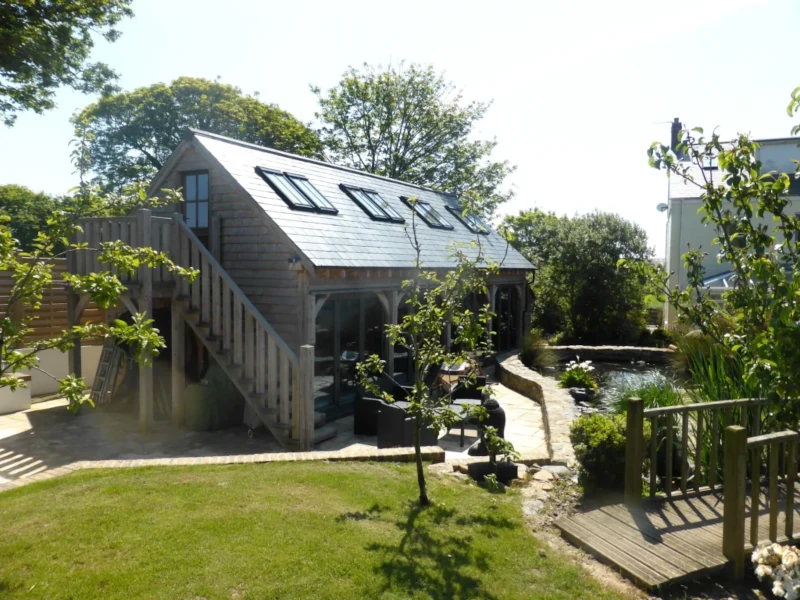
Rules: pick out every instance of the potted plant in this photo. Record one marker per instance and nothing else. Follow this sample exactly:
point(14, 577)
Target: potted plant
point(579, 377)
point(504, 469)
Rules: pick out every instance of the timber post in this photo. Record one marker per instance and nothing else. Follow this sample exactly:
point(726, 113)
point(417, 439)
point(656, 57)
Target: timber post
point(73, 318)
point(733, 491)
point(304, 398)
point(394, 311)
point(178, 343)
point(634, 451)
point(146, 309)
point(492, 290)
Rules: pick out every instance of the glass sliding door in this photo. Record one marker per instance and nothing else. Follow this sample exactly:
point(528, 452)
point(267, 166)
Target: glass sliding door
point(348, 328)
point(505, 325)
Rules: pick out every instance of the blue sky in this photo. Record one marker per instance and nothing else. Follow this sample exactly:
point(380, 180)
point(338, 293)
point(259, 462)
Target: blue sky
point(580, 89)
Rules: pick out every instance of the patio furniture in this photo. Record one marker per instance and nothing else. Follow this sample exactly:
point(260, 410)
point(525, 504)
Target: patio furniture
point(396, 428)
point(366, 408)
point(497, 419)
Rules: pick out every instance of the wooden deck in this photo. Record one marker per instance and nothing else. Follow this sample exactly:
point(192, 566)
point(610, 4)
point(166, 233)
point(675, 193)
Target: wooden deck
point(663, 542)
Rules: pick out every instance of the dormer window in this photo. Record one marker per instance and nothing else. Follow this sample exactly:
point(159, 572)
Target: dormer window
point(297, 191)
point(428, 214)
point(372, 203)
point(195, 196)
point(472, 221)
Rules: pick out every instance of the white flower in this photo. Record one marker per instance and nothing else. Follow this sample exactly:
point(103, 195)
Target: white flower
point(763, 571)
point(778, 589)
point(790, 559)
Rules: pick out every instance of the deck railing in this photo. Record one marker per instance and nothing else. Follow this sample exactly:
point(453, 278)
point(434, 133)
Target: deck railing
point(140, 230)
point(273, 375)
point(781, 461)
point(685, 446)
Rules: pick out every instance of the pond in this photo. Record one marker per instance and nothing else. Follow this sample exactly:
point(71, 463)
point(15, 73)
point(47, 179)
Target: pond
point(617, 378)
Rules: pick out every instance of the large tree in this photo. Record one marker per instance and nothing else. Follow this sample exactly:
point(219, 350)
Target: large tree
point(28, 212)
point(46, 44)
point(410, 123)
point(579, 290)
point(134, 132)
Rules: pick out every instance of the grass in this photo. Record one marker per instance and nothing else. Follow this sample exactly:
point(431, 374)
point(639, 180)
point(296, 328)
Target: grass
point(282, 530)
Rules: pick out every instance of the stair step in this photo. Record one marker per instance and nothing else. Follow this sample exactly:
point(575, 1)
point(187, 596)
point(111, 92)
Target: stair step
point(325, 433)
point(193, 316)
point(203, 325)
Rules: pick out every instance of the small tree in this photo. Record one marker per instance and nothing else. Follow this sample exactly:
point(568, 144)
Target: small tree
point(579, 290)
point(757, 317)
point(433, 299)
point(32, 274)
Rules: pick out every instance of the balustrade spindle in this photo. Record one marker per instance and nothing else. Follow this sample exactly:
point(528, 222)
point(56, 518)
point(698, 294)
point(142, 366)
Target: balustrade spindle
point(684, 451)
point(698, 451)
point(653, 456)
point(669, 470)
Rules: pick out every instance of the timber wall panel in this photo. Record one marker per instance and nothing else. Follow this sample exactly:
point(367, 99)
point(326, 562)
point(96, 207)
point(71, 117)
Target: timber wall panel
point(251, 253)
point(51, 319)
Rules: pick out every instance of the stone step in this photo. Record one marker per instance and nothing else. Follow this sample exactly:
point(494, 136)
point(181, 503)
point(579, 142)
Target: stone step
point(327, 432)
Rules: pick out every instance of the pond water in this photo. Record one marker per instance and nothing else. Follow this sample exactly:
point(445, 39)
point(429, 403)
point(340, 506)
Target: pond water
point(616, 378)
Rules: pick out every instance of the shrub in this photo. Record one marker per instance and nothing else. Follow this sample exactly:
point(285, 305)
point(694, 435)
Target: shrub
point(655, 389)
point(536, 353)
point(661, 338)
point(599, 443)
point(578, 375)
point(714, 372)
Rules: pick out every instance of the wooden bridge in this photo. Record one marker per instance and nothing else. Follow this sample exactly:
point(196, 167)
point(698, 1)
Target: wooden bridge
point(699, 517)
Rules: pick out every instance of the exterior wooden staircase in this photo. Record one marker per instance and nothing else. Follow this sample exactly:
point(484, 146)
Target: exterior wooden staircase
point(274, 380)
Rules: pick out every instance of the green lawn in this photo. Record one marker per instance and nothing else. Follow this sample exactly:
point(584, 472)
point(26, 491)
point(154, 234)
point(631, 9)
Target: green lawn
point(281, 530)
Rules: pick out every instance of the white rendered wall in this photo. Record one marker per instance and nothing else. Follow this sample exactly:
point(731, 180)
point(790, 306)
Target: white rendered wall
point(57, 364)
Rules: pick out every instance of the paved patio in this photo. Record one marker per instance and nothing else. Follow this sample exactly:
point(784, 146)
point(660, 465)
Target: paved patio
point(46, 438)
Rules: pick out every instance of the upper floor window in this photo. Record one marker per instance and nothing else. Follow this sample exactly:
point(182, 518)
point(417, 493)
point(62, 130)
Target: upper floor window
point(296, 190)
point(472, 221)
point(195, 196)
point(372, 203)
point(428, 214)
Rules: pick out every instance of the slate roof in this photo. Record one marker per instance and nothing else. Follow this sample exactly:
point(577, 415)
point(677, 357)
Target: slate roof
point(350, 238)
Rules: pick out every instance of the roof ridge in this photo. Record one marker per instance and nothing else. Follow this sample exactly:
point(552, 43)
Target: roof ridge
point(231, 140)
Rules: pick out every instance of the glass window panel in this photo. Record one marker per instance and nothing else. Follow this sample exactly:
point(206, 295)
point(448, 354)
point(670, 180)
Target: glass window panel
point(191, 214)
point(373, 323)
point(313, 193)
point(350, 333)
point(369, 205)
point(202, 186)
point(202, 214)
point(289, 191)
point(439, 219)
point(190, 188)
point(323, 357)
point(387, 208)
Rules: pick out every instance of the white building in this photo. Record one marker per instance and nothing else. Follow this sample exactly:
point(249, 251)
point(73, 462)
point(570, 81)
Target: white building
point(685, 229)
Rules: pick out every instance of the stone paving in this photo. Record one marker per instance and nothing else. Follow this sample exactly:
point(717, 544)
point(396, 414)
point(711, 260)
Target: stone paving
point(46, 441)
point(557, 406)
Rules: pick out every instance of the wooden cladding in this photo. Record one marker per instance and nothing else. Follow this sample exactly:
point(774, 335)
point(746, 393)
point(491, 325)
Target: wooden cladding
point(51, 319)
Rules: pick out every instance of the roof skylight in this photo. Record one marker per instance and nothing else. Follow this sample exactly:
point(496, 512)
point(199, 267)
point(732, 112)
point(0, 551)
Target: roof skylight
point(428, 214)
point(297, 191)
point(372, 203)
point(472, 221)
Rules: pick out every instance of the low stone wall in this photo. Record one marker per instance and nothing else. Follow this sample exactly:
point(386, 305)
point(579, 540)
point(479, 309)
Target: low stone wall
point(558, 407)
point(619, 354)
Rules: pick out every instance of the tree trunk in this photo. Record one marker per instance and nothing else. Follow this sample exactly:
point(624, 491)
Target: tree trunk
point(423, 491)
